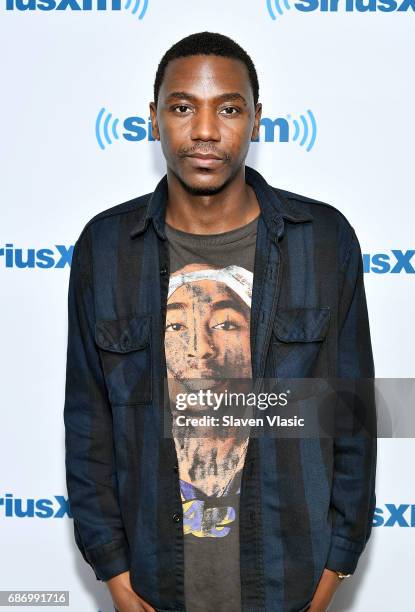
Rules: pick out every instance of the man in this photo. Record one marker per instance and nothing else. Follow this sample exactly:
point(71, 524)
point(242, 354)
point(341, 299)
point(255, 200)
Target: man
point(305, 504)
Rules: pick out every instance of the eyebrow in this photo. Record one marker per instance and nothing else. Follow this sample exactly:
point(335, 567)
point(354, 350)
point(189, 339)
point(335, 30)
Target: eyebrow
point(233, 95)
point(219, 305)
point(176, 306)
point(229, 303)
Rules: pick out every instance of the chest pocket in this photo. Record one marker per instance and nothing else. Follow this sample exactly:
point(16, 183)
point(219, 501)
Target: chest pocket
point(125, 350)
point(298, 342)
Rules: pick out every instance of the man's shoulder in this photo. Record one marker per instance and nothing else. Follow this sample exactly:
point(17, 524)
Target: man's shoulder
point(330, 220)
point(134, 207)
point(319, 209)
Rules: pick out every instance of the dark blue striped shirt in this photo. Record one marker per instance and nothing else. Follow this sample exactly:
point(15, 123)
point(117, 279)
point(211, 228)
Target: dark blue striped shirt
point(305, 503)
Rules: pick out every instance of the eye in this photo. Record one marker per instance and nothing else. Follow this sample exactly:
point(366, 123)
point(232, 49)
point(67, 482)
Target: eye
point(175, 327)
point(232, 108)
point(225, 326)
point(180, 106)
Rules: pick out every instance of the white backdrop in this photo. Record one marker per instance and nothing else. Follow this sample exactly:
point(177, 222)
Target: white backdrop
point(353, 70)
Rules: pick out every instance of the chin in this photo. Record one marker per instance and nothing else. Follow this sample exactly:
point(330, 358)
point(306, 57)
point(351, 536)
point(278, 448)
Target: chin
point(203, 383)
point(203, 182)
point(201, 188)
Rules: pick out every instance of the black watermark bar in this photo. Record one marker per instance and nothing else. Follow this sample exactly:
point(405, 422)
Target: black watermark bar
point(289, 407)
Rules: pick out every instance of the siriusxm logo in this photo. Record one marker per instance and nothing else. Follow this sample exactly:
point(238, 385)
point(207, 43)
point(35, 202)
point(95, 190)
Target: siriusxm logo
point(78, 5)
point(16, 507)
point(378, 263)
point(381, 263)
point(301, 131)
point(278, 7)
point(395, 516)
point(32, 258)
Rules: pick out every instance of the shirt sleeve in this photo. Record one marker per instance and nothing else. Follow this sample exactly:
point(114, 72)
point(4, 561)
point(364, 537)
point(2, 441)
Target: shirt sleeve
point(89, 457)
point(353, 496)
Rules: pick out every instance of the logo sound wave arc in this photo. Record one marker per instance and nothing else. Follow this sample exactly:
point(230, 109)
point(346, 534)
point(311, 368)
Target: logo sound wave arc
point(280, 10)
point(136, 4)
point(105, 126)
point(305, 130)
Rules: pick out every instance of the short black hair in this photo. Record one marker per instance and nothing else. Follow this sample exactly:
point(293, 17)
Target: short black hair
point(206, 43)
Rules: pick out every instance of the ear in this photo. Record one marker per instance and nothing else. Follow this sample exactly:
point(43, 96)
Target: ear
point(154, 124)
point(257, 122)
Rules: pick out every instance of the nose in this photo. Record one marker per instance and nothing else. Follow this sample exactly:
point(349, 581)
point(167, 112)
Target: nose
point(201, 345)
point(205, 125)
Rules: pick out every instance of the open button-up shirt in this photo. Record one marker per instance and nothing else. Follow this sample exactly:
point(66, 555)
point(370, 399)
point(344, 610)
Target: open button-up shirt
point(305, 503)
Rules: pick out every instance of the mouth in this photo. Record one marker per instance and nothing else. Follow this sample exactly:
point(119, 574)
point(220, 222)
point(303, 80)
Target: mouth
point(205, 161)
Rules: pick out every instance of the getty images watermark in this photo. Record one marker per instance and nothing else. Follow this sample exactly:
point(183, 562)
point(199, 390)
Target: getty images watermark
point(297, 408)
point(206, 399)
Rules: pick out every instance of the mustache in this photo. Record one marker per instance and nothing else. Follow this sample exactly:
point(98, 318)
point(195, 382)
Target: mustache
point(204, 151)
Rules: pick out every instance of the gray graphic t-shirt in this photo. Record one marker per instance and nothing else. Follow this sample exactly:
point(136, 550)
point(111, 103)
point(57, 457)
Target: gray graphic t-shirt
point(207, 337)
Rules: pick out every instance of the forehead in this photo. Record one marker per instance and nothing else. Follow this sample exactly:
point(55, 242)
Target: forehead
point(206, 75)
point(202, 291)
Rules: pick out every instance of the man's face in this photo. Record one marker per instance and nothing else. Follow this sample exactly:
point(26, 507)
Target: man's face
point(207, 332)
point(205, 106)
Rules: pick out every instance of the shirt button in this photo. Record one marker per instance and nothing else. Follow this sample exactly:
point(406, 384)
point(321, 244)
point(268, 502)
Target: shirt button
point(163, 271)
point(176, 468)
point(125, 342)
point(176, 517)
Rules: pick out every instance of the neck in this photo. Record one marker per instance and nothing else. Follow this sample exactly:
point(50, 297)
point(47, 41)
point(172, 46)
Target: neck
point(235, 205)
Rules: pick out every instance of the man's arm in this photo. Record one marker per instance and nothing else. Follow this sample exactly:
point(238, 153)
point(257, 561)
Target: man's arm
point(124, 597)
point(353, 496)
point(90, 470)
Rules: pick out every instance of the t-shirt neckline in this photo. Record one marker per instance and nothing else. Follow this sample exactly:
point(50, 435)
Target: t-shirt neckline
point(221, 238)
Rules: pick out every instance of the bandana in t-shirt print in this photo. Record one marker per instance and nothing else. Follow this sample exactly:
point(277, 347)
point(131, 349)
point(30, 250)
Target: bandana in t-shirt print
point(208, 337)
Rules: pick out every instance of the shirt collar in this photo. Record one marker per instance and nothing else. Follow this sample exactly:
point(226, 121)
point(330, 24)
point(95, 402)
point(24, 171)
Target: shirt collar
point(275, 207)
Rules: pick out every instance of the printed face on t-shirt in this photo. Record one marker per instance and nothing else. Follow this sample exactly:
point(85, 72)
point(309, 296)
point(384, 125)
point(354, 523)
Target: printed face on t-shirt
point(207, 332)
